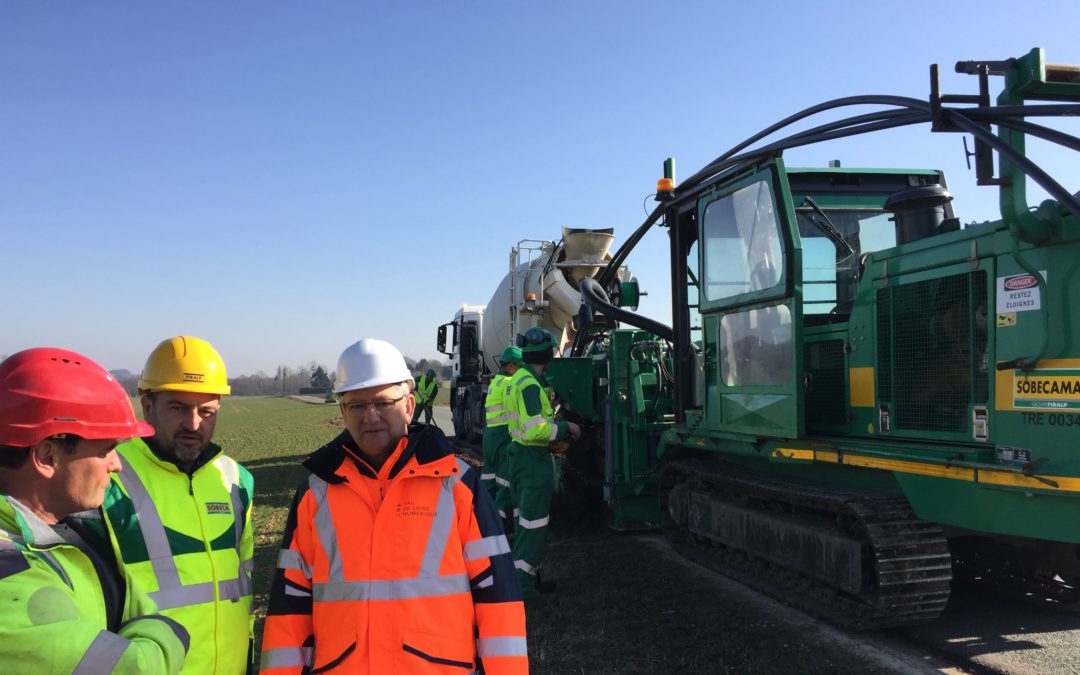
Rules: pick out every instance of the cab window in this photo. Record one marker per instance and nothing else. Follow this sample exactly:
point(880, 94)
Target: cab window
point(743, 252)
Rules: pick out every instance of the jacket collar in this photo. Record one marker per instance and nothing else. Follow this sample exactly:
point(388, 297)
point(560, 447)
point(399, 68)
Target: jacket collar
point(539, 378)
point(426, 446)
point(32, 530)
point(208, 454)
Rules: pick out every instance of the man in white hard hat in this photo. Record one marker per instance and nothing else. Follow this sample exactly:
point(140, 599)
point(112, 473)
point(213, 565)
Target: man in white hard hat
point(394, 559)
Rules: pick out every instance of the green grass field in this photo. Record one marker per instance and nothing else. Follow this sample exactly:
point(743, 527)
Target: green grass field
point(270, 436)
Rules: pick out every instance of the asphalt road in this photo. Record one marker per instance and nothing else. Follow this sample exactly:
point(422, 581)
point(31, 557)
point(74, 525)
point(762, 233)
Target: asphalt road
point(982, 630)
point(999, 634)
point(443, 420)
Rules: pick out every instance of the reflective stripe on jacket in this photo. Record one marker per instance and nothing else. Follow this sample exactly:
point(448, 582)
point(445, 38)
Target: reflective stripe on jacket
point(189, 543)
point(532, 421)
point(54, 618)
point(425, 390)
point(401, 571)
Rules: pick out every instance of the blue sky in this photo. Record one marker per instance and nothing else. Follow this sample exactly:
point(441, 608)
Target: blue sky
point(284, 178)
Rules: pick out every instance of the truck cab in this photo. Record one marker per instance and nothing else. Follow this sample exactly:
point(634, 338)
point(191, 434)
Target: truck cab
point(459, 339)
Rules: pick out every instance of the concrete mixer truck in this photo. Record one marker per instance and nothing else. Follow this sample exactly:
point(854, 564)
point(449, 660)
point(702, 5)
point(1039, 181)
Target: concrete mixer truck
point(540, 289)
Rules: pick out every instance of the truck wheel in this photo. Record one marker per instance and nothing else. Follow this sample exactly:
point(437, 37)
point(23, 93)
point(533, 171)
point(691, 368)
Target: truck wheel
point(460, 430)
point(470, 423)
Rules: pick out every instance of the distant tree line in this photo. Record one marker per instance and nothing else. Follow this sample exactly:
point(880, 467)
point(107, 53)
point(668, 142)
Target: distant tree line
point(288, 380)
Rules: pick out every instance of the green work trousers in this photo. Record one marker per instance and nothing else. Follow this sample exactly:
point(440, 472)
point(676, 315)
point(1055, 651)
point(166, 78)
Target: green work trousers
point(422, 408)
point(532, 483)
point(496, 472)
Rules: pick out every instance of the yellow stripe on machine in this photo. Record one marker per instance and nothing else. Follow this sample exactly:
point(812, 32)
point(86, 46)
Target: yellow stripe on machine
point(861, 385)
point(978, 475)
point(906, 466)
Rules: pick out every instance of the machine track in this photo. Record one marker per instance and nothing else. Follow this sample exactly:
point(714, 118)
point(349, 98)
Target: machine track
point(859, 559)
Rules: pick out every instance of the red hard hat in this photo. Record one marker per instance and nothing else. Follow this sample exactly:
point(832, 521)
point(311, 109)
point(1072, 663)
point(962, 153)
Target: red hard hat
point(45, 392)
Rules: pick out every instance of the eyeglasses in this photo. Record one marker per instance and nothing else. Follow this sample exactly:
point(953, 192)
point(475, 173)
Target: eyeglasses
point(379, 405)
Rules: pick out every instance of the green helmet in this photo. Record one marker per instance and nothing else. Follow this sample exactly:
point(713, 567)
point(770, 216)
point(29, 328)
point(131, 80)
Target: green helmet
point(536, 340)
point(510, 355)
point(431, 372)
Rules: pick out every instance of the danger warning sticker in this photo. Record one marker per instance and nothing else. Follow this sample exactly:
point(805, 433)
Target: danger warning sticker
point(1018, 293)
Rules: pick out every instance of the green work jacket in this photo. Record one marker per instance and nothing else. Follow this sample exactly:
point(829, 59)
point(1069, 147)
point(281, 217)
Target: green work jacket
point(189, 543)
point(425, 390)
point(54, 615)
point(531, 420)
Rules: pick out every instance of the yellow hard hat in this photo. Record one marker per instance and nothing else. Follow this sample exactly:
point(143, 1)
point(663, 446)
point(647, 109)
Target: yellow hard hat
point(185, 363)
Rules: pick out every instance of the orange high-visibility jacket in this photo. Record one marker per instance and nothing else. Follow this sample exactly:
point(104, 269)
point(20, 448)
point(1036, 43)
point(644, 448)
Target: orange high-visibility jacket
point(404, 570)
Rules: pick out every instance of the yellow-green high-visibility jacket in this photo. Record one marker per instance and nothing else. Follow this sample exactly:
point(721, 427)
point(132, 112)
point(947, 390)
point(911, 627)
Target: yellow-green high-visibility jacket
point(54, 614)
point(531, 420)
point(496, 431)
point(494, 402)
point(189, 543)
point(425, 390)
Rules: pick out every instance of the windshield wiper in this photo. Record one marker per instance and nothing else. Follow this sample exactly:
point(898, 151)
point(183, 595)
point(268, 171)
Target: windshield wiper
point(826, 226)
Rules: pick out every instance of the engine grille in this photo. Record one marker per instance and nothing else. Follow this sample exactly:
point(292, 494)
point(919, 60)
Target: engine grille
point(932, 351)
point(826, 402)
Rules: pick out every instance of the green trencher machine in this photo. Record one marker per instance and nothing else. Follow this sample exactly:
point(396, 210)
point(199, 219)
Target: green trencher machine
point(858, 397)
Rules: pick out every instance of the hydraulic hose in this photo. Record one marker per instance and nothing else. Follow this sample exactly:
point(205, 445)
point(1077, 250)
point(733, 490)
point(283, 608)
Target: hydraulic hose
point(909, 111)
point(1063, 196)
point(597, 298)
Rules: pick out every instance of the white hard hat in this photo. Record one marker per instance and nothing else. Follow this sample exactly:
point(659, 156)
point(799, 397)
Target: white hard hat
point(370, 363)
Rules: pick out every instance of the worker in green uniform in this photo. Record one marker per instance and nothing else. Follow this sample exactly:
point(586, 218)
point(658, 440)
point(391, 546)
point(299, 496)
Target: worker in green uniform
point(64, 607)
point(426, 389)
point(532, 477)
point(496, 472)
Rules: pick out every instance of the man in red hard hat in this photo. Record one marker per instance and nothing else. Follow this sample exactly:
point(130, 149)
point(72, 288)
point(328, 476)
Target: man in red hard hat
point(66, 607)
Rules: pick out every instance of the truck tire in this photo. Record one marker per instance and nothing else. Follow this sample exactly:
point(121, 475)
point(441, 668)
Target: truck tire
point(469, 422)
point(460, 430)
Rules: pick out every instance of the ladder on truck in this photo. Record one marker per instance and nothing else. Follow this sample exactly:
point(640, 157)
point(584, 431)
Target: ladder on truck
point(525, 305)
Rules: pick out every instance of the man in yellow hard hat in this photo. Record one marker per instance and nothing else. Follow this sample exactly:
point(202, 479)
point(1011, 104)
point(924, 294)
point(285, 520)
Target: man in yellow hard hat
point(179, 513)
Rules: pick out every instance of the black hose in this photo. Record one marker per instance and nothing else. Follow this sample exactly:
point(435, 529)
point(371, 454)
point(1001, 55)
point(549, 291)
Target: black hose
point(1039, 131)
point(607, 275)
point(800, 139)
point(1063, 196)
point(597, 298)
point(840, 129)
point(872, 99)
point(912, 104)
point(1026, 110)
point(910, 111)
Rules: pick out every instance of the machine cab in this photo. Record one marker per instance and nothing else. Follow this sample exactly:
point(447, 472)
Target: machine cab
point(771, 261)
